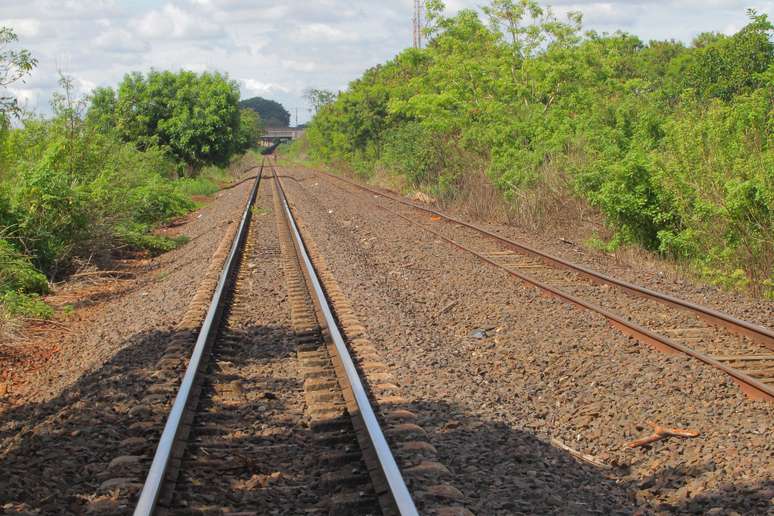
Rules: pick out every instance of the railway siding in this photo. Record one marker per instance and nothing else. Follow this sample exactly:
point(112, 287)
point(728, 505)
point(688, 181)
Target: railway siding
point(543, 371)
point(737, 347)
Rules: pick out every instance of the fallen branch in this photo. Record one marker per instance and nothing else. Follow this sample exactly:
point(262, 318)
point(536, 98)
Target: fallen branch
point(590, 459)
point(659, 433)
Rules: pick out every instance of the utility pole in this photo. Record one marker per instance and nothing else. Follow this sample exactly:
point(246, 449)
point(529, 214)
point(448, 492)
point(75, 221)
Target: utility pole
point(418, 23)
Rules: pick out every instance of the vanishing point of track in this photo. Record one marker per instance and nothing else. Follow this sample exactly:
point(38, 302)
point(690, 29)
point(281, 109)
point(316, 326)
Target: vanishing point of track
point(743, 350)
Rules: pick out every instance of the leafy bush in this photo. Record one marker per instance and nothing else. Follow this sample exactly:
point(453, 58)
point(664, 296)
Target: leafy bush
point(84, 183)
point(671, 143)
point(195, 118)
point(17, 273)
point(138, 236)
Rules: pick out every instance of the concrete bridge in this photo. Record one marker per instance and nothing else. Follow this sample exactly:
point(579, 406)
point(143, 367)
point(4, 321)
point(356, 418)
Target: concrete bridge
point(274, 135)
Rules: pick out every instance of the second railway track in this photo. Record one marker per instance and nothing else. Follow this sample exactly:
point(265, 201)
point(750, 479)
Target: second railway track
point(741, 349)
point(272, 416)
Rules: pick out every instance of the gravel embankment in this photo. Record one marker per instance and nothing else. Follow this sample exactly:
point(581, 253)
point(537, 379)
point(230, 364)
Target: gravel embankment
point(544, 370)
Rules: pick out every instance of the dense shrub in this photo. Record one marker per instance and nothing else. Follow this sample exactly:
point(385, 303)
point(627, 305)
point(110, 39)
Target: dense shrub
point(194, 118)
point(103, 172)
point(671, 143)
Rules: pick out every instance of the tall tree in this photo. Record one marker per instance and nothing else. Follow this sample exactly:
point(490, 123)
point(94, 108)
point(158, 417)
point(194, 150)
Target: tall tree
point(194, 117)
point(250, 129)
point(319, 98)
point(272, 113)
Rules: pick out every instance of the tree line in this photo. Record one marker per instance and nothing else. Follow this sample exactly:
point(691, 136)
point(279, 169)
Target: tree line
point(671, 143)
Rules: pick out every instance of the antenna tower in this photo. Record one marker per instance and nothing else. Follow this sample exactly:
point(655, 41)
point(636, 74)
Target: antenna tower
point(418, 23)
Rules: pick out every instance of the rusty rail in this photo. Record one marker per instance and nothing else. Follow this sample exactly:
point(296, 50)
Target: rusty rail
point(749, 385)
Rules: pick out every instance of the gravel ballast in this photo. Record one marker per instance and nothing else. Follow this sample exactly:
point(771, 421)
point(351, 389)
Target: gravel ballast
point(543, 370)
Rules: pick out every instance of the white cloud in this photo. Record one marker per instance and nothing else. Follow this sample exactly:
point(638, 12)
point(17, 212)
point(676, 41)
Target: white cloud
point(24, 27)
point(300, 66)
point(278, 49)
point(120, 40)
point(321, 32)
point(256, 87)
point(173, 22)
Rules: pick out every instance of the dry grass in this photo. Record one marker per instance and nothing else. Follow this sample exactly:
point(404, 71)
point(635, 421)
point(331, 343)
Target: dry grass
point(548, 206)
point(389, 181)
point(10, 327)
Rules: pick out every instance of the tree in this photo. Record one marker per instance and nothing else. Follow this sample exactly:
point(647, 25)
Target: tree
point(722, 66)
point(318, 98)
point(14, 66)
point(101, 114)
point(272, 113)
point(194, 118)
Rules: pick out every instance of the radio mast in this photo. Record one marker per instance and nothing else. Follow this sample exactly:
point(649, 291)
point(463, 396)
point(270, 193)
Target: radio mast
point(418, 23)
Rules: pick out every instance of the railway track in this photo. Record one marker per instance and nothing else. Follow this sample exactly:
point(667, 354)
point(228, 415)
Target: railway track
point(284, 419)
point(741, 349)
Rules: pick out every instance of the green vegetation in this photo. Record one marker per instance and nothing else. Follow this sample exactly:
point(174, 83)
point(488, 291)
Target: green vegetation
point(100, 175)
point(272, 113)
point(671, 143)
point(194, 118)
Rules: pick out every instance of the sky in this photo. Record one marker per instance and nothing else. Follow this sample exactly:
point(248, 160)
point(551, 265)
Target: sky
point(277, 49)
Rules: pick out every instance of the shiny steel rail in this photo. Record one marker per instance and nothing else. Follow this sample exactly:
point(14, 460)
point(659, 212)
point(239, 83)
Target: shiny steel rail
point(146, 505)
point(398, 490)
point(753, 387)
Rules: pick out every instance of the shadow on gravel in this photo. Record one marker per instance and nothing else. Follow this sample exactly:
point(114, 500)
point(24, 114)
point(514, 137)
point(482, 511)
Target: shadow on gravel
point(738, 498)
point(504, 471)
point(54, 456)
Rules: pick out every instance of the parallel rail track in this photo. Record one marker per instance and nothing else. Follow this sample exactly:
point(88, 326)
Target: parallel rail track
point(363, 477)
point(741, 349)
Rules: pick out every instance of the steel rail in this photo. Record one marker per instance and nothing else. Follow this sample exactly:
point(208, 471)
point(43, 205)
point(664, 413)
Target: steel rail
point(749, 385)
point(759, 334)
point(146, 504)
point(398, 490)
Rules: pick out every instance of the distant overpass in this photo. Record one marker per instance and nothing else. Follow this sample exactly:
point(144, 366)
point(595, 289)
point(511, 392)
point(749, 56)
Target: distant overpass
point(279, 134)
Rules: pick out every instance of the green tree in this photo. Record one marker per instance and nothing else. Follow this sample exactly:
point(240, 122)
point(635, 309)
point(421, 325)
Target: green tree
point(193, 117)
point(250, 129)
point(102, 109)
point(726, 66)
point(318, 98)
point(671, 144)
point(272, 113)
